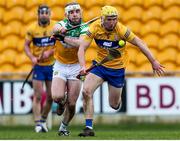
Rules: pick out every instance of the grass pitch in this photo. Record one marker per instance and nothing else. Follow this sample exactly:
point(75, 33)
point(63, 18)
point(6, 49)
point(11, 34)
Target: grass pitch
point(120, 131)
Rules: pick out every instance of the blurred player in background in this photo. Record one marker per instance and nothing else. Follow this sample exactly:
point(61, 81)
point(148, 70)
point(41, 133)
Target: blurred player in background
point(107, 32)
point(67, 67)
point(41, 55)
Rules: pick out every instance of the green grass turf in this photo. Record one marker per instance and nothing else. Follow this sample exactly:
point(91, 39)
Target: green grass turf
point(103, 132)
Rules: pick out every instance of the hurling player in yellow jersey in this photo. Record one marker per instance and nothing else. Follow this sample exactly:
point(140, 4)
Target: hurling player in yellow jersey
point(41, 54)
point(107, 32)
point(67, 66)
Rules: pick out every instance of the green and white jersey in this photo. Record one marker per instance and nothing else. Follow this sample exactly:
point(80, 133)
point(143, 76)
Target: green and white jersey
point(64, 52)
point(75, 32)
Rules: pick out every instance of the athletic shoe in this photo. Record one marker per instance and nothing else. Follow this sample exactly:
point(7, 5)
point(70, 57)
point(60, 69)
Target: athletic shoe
point(63, 133)
point(87, 132)
point(44, 127)
point(38, 128)
point(61, 106)
point(41, 128)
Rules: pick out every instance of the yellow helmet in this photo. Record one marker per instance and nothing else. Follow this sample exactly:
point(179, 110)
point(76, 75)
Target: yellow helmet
point(109, 11)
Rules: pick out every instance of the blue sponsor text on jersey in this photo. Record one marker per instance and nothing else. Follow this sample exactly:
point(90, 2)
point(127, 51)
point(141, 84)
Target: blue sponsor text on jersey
point(44, 41)
point(107, 44)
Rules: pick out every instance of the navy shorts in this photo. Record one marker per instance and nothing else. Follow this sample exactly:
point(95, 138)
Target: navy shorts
point(43, 72)
point(114, 77)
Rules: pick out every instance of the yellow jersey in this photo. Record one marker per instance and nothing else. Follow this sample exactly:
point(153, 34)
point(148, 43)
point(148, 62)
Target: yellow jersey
point(109, 39)
point(40, 37)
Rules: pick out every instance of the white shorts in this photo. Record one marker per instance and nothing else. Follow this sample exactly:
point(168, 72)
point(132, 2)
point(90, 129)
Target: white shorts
point(66, 71)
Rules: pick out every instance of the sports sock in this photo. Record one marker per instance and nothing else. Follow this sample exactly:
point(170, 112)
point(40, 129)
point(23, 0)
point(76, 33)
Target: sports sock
point(63, 126)
point(37, 122)
point(43, 119)
point(89, 123)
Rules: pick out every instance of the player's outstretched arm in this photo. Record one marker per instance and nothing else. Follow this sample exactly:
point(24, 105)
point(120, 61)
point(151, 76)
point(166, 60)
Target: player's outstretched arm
point(81, 53)
point(156, 66)
point(61, 31)
point(72, 41)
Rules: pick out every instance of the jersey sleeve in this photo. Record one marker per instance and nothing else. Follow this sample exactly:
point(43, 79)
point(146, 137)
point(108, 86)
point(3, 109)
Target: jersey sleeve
point(125, 32)
point(84, 29)
point(89, 33)
point(61, 23)
point(29, 33)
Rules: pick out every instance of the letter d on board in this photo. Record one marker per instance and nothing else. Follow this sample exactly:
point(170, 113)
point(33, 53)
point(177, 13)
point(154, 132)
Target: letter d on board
point(171, 98)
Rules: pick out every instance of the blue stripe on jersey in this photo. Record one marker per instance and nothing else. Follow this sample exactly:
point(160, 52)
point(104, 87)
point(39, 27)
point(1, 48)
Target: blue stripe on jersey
point(107, 43)
point(44, 41)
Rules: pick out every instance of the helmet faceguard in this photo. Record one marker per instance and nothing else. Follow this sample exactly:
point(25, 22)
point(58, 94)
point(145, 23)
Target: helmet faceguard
point(44, 9)
point(109, 13)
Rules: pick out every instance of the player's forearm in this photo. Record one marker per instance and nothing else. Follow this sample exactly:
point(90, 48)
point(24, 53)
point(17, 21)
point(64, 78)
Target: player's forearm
point(81, 52)
point(51, 52)
point(72, 41)
point(28, 51)
point(81, 56)
point(29, 54)
point(144, 49)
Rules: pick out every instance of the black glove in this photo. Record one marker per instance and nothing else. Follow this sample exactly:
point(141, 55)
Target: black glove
point(59, 37)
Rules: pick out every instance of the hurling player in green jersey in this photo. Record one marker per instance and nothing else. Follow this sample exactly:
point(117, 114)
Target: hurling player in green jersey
point(65, 85)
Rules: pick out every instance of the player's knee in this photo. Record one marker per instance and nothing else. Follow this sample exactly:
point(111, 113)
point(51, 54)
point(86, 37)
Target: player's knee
point(38, 91)
point(71, 103)
point(87, 93)
point(49, 99)
point(71, 107)
point(57, 98)
point(37, 98)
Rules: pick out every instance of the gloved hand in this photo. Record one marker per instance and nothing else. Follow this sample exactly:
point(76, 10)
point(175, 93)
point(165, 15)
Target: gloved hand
point(59, 37)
